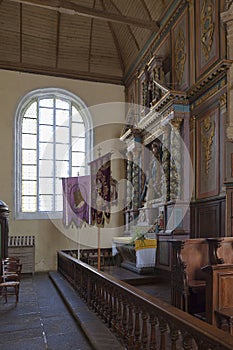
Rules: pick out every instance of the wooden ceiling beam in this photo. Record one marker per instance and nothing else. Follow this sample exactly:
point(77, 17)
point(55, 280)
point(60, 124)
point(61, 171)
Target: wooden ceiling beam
point(68, 7)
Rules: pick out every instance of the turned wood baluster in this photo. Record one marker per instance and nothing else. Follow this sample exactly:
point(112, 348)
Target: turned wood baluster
point(130, 335)
point(110, 306)
point(174, 334)
point(97, 298)
point(101, 302)
point(93, 295)
point(163, 330)
point(114, 312)
point(106, 305)
point(136, 329)
point(119, 316)
point(187, 341)
point(144, 338)
point(124, 319)
point(153, 338)
point(88, 291)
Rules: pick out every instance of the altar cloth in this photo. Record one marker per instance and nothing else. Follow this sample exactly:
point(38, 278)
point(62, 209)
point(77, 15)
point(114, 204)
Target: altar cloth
point(145, 252)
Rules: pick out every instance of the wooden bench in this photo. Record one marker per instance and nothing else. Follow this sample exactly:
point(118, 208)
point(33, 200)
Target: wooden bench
point(187, 279)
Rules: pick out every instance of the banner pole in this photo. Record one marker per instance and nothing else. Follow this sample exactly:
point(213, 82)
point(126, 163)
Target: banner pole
point(98, 248)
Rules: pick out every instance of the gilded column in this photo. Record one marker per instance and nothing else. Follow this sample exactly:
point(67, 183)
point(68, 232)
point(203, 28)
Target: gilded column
point(129, 180)
point(175, 163)
point(192, 128)
point(166, 163)
point(136, 179)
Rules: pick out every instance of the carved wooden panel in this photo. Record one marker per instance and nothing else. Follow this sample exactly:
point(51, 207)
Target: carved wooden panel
point(207, 34)
point(208, 154)
point(208, 219)
point(225, 289)
point(180, 54)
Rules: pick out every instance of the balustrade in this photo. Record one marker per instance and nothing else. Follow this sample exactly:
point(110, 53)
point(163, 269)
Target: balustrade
point(140, 321)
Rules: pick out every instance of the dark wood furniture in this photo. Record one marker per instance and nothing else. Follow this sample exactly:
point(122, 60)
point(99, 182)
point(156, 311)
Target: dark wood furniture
point(202, 278)
point(219, 293)
point(187, 279)
point(4, 229)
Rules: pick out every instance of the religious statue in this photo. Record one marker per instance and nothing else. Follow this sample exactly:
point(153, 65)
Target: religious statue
point(153, 183)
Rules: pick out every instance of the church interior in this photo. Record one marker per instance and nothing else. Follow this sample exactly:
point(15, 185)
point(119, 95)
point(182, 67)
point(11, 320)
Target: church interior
point(117, 166)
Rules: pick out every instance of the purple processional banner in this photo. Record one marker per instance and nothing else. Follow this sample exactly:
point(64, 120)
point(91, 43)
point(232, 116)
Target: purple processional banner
point(100, 190)
point(76, 200)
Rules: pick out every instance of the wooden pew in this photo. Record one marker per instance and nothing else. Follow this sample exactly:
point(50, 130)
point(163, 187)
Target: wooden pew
point(188, 281)
point(219, 288)
point(202, 279)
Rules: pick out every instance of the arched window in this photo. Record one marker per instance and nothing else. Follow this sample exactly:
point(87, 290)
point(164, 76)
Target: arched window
point(53, 139)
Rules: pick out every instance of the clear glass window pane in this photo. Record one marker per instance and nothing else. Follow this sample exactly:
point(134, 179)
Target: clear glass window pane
point(29, 204)
point(29, 172)
point(76, 116)
point(62, 134)
point(46, 116)
point(62, 152)
point(45, 203)
point(29, 126)
point(59, 203)
point(29, 141)
point(78, 159)
point(31, 111)
point(78, 145)
point(29, 157)
point(63, 169)
point(62, 117)
point(58, 186)
point(45, 185)
point(78, 130)
point(46, 102)
point(29, 188)
point(46, 150)
point(45, 168)
point(62, 104)
point(78, 171)
point(45, 133)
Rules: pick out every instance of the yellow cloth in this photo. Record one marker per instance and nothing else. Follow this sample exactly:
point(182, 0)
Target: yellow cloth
point(144, 244)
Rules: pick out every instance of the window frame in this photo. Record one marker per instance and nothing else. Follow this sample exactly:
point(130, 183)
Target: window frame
point(23, 104)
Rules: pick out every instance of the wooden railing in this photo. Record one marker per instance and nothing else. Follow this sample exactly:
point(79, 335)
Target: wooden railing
point(140, 321)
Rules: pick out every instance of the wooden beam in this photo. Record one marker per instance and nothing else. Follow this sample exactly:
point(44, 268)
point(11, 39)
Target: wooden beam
point(70, 8)
point(63, 73)
point(116, 42)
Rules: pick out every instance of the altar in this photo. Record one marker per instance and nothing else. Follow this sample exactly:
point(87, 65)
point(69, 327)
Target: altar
point(138, 255)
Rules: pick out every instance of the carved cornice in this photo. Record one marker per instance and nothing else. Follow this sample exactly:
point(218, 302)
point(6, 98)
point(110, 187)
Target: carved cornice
point(209, 78)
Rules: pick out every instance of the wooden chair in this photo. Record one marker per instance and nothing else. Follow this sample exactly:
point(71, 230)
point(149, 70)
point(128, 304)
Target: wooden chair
point(10, 279)
point(9, 288)
point(11, 270)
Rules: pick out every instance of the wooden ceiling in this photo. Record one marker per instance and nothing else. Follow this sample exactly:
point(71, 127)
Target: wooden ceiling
point(97, 40)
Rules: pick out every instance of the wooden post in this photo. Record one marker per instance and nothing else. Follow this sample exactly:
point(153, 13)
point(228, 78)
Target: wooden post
point(98, 248)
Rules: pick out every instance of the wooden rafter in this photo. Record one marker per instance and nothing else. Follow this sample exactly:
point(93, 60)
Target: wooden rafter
point(58, 37)
point(71, 8)
point(21, 34)
point(129, 29)
point(146, 9)
point(115, 41)
point(90, 43)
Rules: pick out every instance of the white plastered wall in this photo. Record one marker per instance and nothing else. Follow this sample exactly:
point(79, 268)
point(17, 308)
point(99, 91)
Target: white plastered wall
point(50, 236)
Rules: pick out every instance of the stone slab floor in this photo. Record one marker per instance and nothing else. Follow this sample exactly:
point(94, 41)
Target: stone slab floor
point(40, 320)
